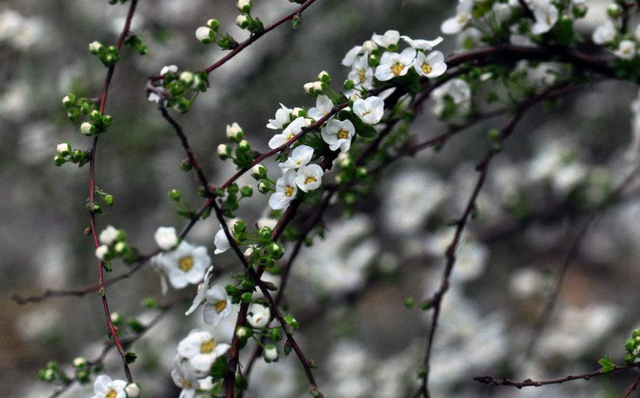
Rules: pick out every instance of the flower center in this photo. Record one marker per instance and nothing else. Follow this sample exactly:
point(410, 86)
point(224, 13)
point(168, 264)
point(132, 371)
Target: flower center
point(289, 136)
point(549, 22)
point(397, 68)
point(111, 394)
point(208, 346)
point(426, 68)
point(288, 191)
point(343, 134)
point(462, 18)
point(220, 306)
point(309, 180)
point(186, 263)
point(362, 75)
point(185, 384)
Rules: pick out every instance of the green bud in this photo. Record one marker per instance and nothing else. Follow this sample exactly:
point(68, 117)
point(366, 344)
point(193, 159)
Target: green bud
point(175, 194)
point(629, 358)
point(324, 77)
point(244, 333)
point(224, 151)
point(265, 234)
point(246, 191)
point(276, 250)
point(259, 172)
point(149, 302)
point(629, 345)
point(348, 84)
point(213, 23)
point(59, 160)
point(109, 200)
point(264, 187)
point(244, 146)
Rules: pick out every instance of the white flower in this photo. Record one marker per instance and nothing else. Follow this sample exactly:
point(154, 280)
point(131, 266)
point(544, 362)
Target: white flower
point(287, 134)
point(166, 238)
point(283, 117)
point(104, 387)
point(199, 298)
point(63, 148)
point(370, 110)
point(188, 381)
point(233, 130)
point(361, 73)
point(309, 177)
point(431, 65)
point(394, 64)
point(300, 157)
point(351, 56)
point(201, 350)
point(258, 316)
point(132, 390)
point(424, 45)
point(155, 97)
point(217, 306)
point(389, 39)
point(108, 235)
point(169, 68)
point(222, 242)
point(369, 46)
point(323, 108)
point(86, 128)
point(102, 251)
point(271, 353)
point(203, 34)
point(546, 15)
point(626, 50)
point(185, 265)
point(286, 191)
point(463, 16)
point(338, 134)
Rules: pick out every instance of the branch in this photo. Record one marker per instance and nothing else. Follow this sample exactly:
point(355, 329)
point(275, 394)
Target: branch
point(559, 380)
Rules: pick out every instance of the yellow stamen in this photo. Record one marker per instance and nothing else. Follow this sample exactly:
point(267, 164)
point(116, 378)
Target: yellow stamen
point(112, 394)
point(186, 263)
point(185, 384)
point(309, 180)
point(397, 68)
point(426, 68)
point(220, 306)
point(288, 191)
point(208, 346)
point(343, 134)
point(362, 75)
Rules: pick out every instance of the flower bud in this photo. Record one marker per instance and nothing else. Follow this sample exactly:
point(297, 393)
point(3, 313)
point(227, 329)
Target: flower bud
point(270, 353)
point(244, 146)
point(275, 249)
point(204, 34)
point(120, 247)
point(63, 149)
point(318, 87)
point(244, 5)
point(117, 318)
point(96, 47)
point(102, 251)
point(87, 128)
point(213, 23)
point(243, 333)
point(324, 77)
point(308, 88)
point(175, 194)
point(242, 21)
point(258, 172)
point(298, 112)
point(234, 132)
point(264, 187)
point(80, 362)
point(249, 252)
point(68, 100)
point(132, 390)
point(224, 151)
point(614, 11)
point(49, 375)
point(187, 78)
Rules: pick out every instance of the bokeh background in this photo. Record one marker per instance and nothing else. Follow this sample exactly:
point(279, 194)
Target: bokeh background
point(349, 289)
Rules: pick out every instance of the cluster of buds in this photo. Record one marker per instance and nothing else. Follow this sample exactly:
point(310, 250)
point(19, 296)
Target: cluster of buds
point(107, 55)
point(177, 87)
point(136, 43)
point(97, 124)
point(243, 154)
point(245, 20)
point(67, 154)
point(76, 107)
point(232, 202)
point(632, 346)
point(209, 34)
point(319, 86)
point(113, 246)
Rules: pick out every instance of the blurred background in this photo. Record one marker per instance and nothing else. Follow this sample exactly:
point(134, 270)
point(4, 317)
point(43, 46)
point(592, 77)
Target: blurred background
point(349, 291)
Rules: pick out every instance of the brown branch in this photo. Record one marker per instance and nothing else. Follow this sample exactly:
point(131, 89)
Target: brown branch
point(559, 380)
point(632, 387)
point(92, 222)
